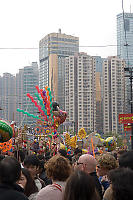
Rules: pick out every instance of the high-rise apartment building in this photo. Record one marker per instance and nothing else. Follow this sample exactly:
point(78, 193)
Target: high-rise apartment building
point(80, 93)
point(1, 97)
point(125, 48)
point(26, 80)
point(53, 49)
point(113, 93)
point(19, 96)
point(7, 97)
point(125, 37)
point(71, 105)
point(86, 92)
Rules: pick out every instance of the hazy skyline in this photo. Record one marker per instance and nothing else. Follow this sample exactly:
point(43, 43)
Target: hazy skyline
point(24, 23)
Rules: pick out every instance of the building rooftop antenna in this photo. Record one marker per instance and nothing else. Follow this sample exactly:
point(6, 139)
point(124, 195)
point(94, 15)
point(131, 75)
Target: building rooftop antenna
point(130, 8)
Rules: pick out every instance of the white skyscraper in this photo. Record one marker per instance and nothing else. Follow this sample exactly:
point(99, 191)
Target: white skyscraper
point(71, 91)
point(80, 96)
point(113, 93)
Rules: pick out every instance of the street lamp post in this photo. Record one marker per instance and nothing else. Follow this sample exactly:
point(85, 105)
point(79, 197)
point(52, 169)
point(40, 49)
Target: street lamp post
point(130, 76)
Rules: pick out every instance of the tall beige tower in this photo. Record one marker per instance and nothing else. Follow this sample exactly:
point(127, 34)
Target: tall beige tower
point(99, 110)
point(53, 49)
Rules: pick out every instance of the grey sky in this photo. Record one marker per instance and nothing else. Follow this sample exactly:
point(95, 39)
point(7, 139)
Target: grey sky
point(24, 22)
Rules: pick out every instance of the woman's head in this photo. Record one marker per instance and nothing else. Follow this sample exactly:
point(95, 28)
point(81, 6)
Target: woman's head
point(22, 181)
point(80, 185)
point(27, 182)
point(122, 183)
point(106, 162)
point(58, 168)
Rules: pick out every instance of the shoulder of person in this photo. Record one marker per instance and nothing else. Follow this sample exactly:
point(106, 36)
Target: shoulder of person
point(33, 196)
point(15, 195)
point(22, 198)
point(108, 194)
point(49, 192)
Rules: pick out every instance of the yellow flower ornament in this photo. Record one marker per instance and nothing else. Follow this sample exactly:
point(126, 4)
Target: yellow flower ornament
point(67, 139)
point(82, 133)
point(73, 141)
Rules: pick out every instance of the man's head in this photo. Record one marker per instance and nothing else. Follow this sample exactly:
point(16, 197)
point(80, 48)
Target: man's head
point(32, 163)
point(10, 170)
point(126, 160)
point(87, 163)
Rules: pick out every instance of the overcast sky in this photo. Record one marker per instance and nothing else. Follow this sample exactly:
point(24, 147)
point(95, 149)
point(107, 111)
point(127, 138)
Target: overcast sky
point(24, 22)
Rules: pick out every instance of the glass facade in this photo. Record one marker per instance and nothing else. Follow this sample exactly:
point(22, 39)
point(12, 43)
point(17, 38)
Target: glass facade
point(125, 37)
point(26, 81)
point(125, 47)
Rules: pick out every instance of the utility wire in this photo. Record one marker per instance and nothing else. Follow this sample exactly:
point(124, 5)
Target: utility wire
point(35, 48)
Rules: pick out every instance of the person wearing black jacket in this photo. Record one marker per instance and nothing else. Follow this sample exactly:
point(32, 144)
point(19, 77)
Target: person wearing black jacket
point(87, 163)
point(42, 174)
point(10, 172)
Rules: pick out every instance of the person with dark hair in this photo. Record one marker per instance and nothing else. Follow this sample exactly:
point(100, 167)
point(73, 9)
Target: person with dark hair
point(32, 163)
point(80, 185)
point(10, 172)
point(126, 160)
point(77, 154)
point(41, 157)
point(63, 152)
point(28, 184)
point(58, 169)
point(120, 152)
point(20, 156)
point(121, 185)
point(1, 157)
point(47, 155)
point(42, 174)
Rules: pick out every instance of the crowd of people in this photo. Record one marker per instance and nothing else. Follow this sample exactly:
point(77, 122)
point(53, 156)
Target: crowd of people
point(80, 176)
